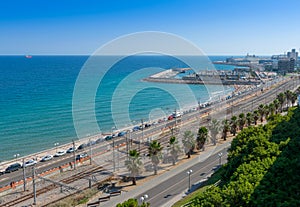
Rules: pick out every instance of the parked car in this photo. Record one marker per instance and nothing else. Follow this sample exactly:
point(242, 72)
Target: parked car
point(82, 146)
point(170, 117)
point(147, 125)
point(60, 153)
point(13, 167)
point(99, 140)
point(80, 156)
point(121, 134)
point(30, 163)
point(108, 137)
point(91, 143)
point(71, 149)
point(136, 128)
point(47, 158)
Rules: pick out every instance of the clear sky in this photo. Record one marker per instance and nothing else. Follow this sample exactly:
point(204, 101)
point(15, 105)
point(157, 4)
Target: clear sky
point(216, 26)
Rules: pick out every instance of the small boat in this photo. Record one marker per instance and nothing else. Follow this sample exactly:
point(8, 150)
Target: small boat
point(28, 56)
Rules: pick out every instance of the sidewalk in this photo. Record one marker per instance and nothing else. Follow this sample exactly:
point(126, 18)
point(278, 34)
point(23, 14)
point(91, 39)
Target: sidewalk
point(144, 187)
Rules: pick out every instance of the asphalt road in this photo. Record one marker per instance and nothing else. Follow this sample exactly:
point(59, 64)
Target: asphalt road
point(165, 191)
point(266, 97)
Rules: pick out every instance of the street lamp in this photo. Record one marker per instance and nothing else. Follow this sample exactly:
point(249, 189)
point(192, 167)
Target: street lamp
point(16, 156)
point(220, 158)
point(143, 198)
point(56, 145)
point(189, 174)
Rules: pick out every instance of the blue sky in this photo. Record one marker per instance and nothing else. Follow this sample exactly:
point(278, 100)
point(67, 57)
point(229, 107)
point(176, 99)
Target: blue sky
point(81, 26)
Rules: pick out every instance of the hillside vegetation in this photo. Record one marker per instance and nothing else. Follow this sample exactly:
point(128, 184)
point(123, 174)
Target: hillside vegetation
point(263, 167)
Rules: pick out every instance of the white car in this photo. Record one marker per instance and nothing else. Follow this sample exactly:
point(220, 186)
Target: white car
point(71, 149)
point(29, 163)
point(60, 153)
point(46, 158)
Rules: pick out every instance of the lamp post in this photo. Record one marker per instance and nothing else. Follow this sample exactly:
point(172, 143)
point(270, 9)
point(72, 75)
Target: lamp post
point(16, 156)
point(220, 158)
point(189, 174)
point(56, 145)
point(142, 120)
point(144, 198)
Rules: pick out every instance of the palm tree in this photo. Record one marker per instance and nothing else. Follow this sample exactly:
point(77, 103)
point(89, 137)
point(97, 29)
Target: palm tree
point(272, 108)
point(155, 154)
point(281, 99)
point(226, 128)
point(202, 137)
point(241, 121)
point(249, 118)
point(276, 105)
point(214, 128)
point(134, 165)
point(255, 116)
point(294, 99)
point(233, 125)
point(261, 111)
point(175, 149)
point(267, 111)
point(188, 142)
point(288, 96)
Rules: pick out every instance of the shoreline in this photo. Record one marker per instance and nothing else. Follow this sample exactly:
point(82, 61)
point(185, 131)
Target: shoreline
point(78, 141)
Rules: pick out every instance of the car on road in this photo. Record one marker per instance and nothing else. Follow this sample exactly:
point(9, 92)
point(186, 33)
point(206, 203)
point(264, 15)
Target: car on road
point(99, 140)
point(136, 128)
point(60, 153)
point(91, 143)
point(121, 134)
point(13, 167)
point(80, 156)
point(29, 163)
point(71, 149)
point(170, 117)
point(108, 137)
point(47, 158)
point(82, 146)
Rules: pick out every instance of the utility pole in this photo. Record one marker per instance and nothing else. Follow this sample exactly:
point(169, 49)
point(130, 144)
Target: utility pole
point(33, 183)
point(114, 163)
point(24, 175)
point(142, 135)
point(74, 154)
point(90, 151)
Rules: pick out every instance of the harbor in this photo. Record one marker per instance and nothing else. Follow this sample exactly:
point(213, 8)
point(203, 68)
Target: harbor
point(239, 76)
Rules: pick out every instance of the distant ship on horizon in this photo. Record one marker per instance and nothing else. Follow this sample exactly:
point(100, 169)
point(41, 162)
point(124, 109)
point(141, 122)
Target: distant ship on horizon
point(28, 56)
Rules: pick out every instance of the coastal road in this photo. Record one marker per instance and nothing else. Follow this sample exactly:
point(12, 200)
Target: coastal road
point(243, 106)
point(176, 185)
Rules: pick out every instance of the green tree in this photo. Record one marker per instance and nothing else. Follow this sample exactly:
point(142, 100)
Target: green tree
point(202, 137)
point(276, 105)
point(272, 108)
point(261, 112)
point(255, 116)
point(134, 165)
point(155, 154)
point(188, 143)
point(281, 99)
point(175, 149)
point(294, 99)
point(241, 121)
point(233, 125)
point(226, 129)
point(267, 111)
point(249, 118)
point(132, 202)
point(214, 127)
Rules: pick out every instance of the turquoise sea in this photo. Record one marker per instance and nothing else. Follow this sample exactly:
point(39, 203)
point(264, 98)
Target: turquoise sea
point(36, 98)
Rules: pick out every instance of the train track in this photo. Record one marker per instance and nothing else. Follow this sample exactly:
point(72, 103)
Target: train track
point(50, 187)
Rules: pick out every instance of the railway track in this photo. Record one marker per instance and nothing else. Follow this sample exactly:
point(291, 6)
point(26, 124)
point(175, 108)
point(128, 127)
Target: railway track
point(50, 187)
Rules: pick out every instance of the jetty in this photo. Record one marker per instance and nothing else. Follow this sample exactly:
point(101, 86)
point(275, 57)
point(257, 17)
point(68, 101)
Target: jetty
point(205, 77)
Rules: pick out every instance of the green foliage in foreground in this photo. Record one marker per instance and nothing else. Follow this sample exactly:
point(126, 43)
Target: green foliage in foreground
point(263, 167)
point(132, 202)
